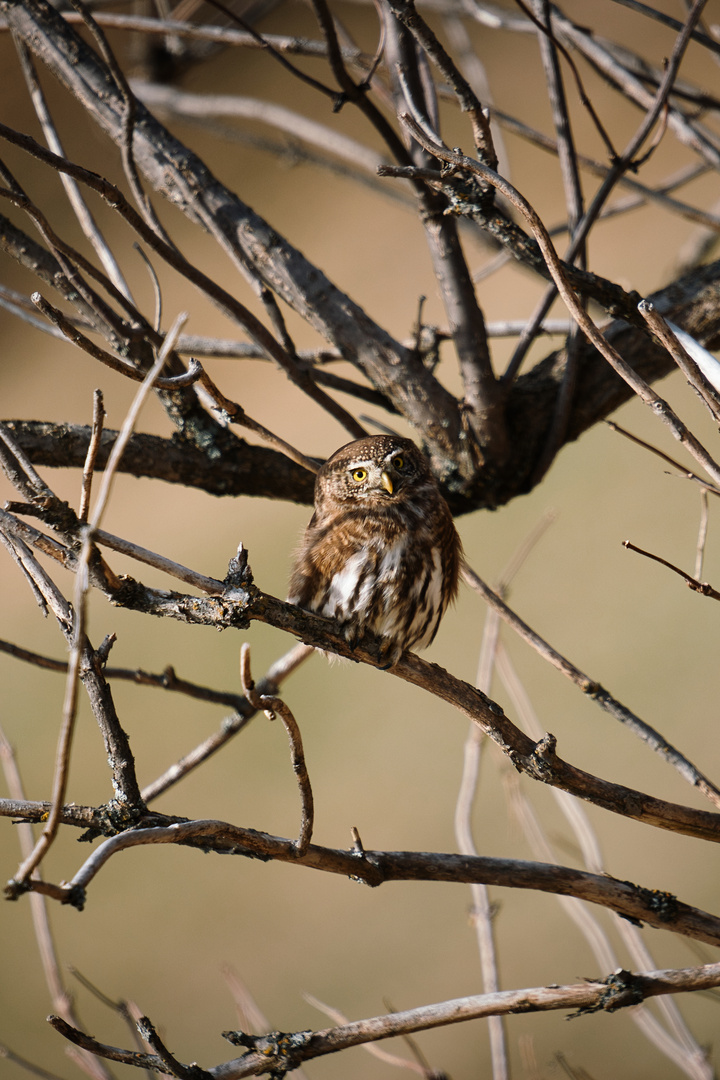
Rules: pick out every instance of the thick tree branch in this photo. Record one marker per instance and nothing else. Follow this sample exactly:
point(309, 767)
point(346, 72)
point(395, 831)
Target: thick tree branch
point(242, 469)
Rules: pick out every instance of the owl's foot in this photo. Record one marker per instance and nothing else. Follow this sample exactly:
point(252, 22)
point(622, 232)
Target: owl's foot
point(353, 633)
point(390, 653)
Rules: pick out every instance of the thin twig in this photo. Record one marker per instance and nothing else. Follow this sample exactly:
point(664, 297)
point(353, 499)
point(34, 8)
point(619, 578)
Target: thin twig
point(273, 679)
point(219, 35)
point(70, 330)
point(130, 420)
point(272, 706)
point(668, 20)
point(658, 194)
point(170, 681)
point(170, 1062)
point(187, 104)
point(92, 452)
point(570, 173)
point(28, 1067)
point(44, 588)
point(702, 533)
point(482, 915)
point(711, 488)
point(62, 1000)
point(692, 583)
point(128, 121)
point(69, 259)
point(21, 879)
point(72, 189)
point(20, 470)
point(155, 284)
point(209, 585)
point(237, 414)
point(267, 45)
point(690, 369)
point(546, 32)
point(594, 690)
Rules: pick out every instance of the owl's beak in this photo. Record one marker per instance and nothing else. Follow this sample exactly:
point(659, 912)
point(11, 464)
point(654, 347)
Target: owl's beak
point(386, 482)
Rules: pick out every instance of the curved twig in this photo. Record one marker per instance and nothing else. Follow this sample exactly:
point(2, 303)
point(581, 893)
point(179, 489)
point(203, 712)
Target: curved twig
point(272, 706)
point(701, 587)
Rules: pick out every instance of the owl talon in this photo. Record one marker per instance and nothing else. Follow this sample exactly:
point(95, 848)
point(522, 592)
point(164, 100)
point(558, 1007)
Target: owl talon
point(352, 635)
point(390, 654)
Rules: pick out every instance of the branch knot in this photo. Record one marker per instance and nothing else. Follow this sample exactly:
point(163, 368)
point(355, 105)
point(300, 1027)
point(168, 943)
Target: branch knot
point(278, 1045)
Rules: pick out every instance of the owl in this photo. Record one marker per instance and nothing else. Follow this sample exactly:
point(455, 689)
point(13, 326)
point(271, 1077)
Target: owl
point(381, 552)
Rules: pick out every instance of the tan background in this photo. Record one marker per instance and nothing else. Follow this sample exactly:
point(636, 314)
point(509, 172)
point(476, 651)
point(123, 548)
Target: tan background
point(161, 925)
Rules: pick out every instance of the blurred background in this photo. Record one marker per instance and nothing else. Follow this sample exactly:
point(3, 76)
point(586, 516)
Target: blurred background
point(163, 926)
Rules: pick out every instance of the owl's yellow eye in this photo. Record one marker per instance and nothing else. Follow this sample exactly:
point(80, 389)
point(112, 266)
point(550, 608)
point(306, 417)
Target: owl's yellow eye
point(359, 475)
point(399, 462)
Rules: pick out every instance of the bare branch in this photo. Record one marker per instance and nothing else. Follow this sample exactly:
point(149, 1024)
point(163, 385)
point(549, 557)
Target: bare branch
point(641, 388)
point(59, 994)
point(93, 447)
point(594, 690)
point(697, 586)
point(658, 909)
point(82, 658)
point(244, 712)
point(283, 1052)
point(391, 368)
point(272, 706)
point(82, 212)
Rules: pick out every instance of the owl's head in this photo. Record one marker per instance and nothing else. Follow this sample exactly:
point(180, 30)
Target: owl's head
point(380, 470)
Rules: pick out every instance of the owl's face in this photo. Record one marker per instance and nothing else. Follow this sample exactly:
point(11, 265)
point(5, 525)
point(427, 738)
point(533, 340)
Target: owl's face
point(379, 471)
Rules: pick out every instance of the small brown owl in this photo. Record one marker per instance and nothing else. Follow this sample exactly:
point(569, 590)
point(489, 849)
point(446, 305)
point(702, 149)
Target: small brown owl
point(381, 552)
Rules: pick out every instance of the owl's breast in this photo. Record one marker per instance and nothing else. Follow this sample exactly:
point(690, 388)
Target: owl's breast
point(364, 585)
point(396, 592)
